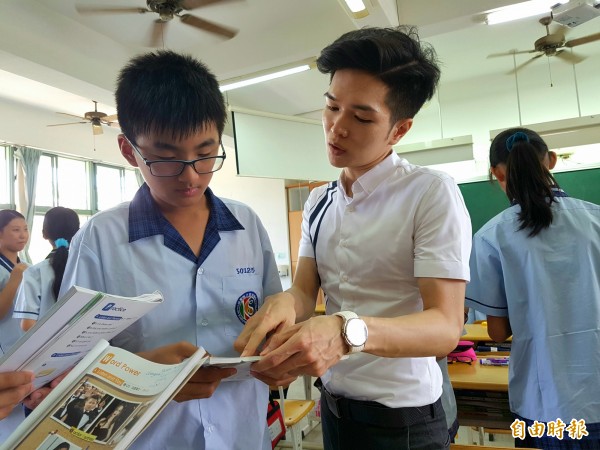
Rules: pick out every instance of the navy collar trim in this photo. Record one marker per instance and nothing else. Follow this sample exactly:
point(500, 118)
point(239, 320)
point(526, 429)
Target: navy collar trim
point(146, 220)
point(7, 263)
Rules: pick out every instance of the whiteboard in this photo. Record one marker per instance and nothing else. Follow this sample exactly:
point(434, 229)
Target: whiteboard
point(281, 147)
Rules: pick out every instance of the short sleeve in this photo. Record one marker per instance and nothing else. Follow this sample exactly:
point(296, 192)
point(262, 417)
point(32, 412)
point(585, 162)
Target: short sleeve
point(29, 295)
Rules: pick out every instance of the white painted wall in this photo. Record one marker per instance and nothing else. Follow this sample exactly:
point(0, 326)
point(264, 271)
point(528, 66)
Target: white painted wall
point(474, 107)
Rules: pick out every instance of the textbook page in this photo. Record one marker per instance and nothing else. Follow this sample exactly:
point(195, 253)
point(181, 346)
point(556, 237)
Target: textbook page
point(71, 328)
point(105, 402)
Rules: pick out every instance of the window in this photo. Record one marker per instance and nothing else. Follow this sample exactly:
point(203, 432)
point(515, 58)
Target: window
point(73, 183)
point(84, 186)
point(114, 185)
point(4, 177)
point(44, 188)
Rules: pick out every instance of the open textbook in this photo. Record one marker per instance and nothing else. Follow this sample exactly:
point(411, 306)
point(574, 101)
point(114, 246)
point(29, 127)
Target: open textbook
point(105, 402)
point(71, 328)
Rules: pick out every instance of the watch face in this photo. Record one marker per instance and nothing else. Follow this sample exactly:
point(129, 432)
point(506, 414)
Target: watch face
point(356, 332)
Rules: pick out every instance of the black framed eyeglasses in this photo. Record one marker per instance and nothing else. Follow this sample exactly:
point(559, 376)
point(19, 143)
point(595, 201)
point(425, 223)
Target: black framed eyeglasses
point(175, 167)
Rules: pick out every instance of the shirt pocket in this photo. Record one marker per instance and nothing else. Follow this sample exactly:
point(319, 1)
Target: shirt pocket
point(242, 296)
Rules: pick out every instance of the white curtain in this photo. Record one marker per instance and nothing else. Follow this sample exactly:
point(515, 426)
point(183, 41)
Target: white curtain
point(28, 160)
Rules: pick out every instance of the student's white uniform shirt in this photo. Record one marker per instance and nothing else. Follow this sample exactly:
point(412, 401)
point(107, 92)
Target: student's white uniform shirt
point(10, 332)
point(549, 287)
point(35, 295)
point(10, 329)
point(206, 302)
point(403, 222)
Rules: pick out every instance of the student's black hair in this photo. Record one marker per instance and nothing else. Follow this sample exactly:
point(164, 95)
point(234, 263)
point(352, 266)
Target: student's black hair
point(396, 56)
point(7, 216)
point(528, 182)
point(59, 223)
point(168, 93)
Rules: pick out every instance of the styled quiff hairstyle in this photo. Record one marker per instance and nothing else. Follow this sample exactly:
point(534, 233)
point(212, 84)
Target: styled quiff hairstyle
point(396, 56)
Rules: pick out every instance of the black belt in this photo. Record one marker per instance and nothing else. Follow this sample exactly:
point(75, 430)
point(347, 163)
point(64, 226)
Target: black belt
point(373, 413)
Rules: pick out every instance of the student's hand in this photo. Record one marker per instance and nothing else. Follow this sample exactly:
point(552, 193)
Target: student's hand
point(202, 384)
point(13, 387)
point(17, 271)
point(36, 397)
point(310, 347)
point(277, 314)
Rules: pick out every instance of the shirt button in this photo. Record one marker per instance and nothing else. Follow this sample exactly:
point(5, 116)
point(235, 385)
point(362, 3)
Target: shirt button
point(200, 271)
point(204, 322)
point(210, 428)
point(345, 277)
point(350, 208)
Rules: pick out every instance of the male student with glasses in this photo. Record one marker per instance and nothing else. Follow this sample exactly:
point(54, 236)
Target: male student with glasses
point(210, 257)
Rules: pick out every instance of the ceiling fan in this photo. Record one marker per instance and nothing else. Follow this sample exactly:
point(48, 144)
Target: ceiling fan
point(167, 10)
point(95, 117)
point(553, 44)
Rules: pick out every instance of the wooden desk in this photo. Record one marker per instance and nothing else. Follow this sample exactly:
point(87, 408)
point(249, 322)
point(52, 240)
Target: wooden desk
point(478, 377)
point(481, 395)
point(477, 333)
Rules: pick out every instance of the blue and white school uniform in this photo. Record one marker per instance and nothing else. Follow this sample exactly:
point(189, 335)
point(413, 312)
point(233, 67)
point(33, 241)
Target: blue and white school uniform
point(10, 329)
point(549, 287)
point(35, 296)
point(132, 249)
point(10, 332)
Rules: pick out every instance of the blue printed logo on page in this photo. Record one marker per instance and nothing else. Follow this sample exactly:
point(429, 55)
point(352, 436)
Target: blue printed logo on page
point(246, 305)
point(111, 307)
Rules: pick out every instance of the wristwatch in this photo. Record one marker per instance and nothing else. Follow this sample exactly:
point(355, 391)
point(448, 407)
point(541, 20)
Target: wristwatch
point(354, 331)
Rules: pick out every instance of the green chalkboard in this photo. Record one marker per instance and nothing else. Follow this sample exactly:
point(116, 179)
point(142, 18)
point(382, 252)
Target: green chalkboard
point(484, 199)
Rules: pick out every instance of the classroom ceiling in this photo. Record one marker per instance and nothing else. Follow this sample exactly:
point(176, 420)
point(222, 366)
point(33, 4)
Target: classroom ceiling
point(55, 57)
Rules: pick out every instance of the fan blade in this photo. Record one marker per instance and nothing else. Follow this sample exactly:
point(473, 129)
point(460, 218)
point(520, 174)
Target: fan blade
point(109, 119)
point(520, 66)
point(97, 129)
point(193, 4)
point(62, 124)
point(583, 40)
point(71, 115)
point(157, 33)
point(109, 10)
point(570, 57)
point(514, 52)
point(205, 25)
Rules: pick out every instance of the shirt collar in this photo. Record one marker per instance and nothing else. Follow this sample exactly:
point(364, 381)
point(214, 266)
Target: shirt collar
point(145, 219)
point(7, 263)
point(370, 180)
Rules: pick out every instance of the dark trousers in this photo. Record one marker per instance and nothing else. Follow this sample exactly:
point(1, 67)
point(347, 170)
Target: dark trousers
point(369, 425)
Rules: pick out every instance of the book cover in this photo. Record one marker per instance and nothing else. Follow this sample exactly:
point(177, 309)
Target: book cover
point(104, 402)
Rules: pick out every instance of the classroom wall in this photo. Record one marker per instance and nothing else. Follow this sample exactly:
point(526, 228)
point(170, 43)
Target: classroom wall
point(473, 106)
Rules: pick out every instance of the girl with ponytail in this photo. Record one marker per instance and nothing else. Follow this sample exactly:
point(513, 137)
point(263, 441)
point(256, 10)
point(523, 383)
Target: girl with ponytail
point(535, 273)
point(41, 282)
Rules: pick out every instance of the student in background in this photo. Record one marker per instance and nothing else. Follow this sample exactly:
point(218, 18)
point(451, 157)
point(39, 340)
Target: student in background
point(388, 243)
point(535, 272)
point(14, 235)
point(210, 257)
point(41, 282)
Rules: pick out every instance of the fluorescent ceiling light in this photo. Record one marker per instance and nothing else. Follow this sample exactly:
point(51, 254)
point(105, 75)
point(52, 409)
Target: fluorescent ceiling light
point(355, 5)
point(521, 10)
point(355, 8)
point(235, 83)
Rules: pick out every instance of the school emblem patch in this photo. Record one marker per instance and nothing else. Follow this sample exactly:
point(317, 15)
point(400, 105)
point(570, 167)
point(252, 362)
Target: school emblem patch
point(246, 306)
